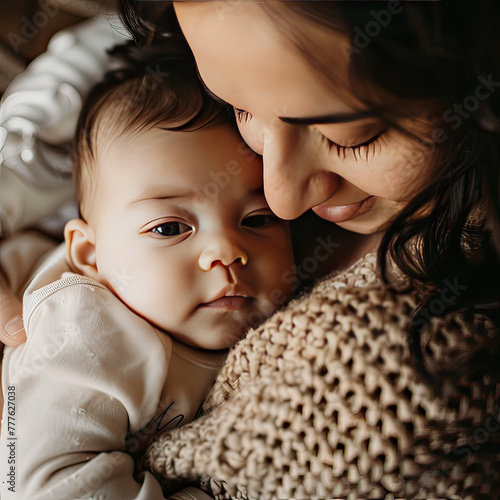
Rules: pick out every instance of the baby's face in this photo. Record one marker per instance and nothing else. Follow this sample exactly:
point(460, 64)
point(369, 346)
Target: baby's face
point(184, 236)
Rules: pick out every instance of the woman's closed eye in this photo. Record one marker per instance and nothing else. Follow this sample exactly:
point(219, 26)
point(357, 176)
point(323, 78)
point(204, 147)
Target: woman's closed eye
point(260, 220)
point(359, 151)
point(171, 229)
point(362, 150)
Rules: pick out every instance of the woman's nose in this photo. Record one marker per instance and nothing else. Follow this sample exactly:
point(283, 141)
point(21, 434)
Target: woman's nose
point(297, 174)
point(221, 250)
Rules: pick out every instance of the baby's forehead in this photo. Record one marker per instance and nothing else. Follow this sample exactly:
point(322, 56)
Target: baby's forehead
point(180, 160)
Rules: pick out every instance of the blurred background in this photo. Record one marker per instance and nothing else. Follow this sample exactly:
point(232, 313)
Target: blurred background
point(26, 27)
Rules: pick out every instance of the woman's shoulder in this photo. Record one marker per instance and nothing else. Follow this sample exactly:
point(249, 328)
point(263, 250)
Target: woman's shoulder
point(355, 296)
point(362, 273)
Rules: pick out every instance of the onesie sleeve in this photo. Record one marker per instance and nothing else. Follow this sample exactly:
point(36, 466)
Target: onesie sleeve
point(90, 374)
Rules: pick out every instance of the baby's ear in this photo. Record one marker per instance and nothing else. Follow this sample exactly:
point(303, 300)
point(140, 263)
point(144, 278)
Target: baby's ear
point(80, 248)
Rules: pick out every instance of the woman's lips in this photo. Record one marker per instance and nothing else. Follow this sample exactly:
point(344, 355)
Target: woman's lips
point(343, 213)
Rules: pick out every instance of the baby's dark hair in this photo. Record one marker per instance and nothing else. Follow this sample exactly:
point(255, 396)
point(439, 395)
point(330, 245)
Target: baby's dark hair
point(153, 87)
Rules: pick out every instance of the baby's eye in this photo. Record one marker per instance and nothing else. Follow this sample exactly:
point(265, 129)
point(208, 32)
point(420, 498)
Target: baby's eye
point(260, 220)
point(171, 228)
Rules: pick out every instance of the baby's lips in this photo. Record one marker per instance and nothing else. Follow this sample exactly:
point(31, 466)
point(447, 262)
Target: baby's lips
point(231, 290)
point(230, 303)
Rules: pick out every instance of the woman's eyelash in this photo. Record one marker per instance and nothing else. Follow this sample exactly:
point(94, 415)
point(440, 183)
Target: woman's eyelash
point(242, 116)
point(367, 147)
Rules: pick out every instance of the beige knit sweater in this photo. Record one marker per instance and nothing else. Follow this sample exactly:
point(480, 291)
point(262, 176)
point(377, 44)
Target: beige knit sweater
point(323, 401)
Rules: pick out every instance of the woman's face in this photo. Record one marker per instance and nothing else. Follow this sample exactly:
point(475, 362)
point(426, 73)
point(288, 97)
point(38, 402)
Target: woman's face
point(320, 150)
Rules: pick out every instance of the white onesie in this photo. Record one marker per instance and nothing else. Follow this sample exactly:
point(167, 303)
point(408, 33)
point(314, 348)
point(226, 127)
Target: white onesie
point(88, 390)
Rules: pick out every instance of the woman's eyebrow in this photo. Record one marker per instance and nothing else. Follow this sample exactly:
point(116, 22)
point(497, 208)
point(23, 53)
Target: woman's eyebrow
point(333, 118)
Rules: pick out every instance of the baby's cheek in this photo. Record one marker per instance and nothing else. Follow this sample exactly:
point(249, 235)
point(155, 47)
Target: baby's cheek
point(282, 276)
point(124, 282)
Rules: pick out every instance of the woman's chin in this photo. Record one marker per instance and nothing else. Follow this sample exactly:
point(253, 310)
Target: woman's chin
point(368, 227)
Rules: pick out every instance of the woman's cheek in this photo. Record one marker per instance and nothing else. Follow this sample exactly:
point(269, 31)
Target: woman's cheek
point(411, 168)
point(397, 175)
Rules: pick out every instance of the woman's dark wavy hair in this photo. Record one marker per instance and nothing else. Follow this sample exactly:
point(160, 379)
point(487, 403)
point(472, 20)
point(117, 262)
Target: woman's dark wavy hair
point(435, 52)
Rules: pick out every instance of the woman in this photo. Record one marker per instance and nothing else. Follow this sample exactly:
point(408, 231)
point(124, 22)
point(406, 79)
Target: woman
point(384, 119)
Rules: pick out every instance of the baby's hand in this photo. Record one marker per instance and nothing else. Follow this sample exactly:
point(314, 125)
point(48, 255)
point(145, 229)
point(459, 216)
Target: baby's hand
point(11, 323)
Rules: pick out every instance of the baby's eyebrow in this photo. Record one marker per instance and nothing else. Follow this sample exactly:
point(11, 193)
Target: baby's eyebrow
point(159, 197)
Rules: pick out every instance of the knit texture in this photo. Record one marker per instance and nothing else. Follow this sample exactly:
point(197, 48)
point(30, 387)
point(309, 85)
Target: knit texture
point(323, 401)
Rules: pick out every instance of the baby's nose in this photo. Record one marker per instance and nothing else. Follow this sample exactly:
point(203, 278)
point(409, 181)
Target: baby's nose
point(221, 251)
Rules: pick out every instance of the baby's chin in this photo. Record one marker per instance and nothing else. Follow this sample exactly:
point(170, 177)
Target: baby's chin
point(215, 328)
point(228, 338)
point(213, 341)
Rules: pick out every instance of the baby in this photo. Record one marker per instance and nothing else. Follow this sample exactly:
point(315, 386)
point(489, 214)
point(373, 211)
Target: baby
point(175, 256)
